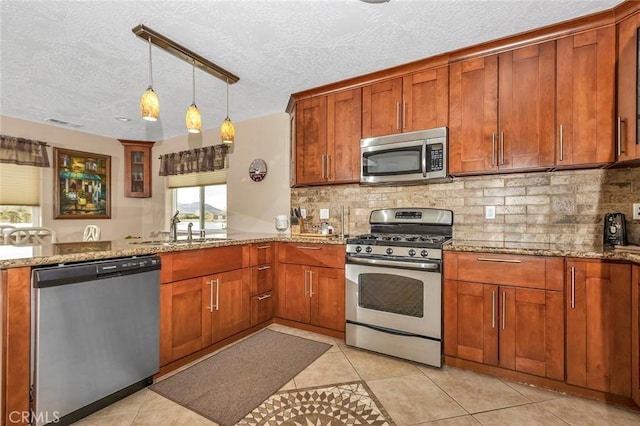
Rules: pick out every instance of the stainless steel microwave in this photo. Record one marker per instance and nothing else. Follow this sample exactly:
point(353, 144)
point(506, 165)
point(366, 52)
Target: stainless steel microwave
point(410, 157)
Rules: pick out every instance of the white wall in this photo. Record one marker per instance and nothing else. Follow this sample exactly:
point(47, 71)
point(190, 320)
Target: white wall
point(251, 206)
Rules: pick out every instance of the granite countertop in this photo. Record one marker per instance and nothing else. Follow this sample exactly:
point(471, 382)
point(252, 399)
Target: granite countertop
point(65, 252)
point(547, 249)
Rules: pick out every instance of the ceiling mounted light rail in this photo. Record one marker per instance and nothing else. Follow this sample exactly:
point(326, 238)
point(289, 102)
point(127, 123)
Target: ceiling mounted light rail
point(165, 43)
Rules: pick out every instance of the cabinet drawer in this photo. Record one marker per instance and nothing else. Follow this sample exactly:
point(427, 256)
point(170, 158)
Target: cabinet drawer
point(518, 271)
point(331, 256)
point(196, 263)
point(261, 308)
point(261, 279)
point(261, 254)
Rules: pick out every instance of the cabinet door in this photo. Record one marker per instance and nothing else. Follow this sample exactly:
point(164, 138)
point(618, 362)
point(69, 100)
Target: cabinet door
point(230, 311)
point(526, 115)
point(382, 108)
point(627, 137)
point(261, 308)
point(635, 330)
point(311, 140)
point(261, 279)
point(182, 321)
point(471, 321)
point(293, 292)
point(473, 115)
point(326, 291)
point(532, 331)
point(137, 168)
point(426, 98)
point(344, 131)
point(585, 97)
point(599, 326)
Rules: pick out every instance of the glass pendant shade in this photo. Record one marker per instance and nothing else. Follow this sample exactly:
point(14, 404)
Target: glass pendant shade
point(149, 105)
point(227, 132)
point(193, 119)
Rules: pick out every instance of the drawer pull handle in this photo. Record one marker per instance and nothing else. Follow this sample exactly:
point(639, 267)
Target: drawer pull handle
point(262, 268)
point(266, 296)
point(489, 259)
point(263, 247)
point(308, 248)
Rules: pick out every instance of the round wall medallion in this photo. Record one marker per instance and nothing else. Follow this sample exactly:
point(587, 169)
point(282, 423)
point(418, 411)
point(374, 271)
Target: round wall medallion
point(257, 170)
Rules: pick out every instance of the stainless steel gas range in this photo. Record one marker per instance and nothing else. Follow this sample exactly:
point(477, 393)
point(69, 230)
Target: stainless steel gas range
point(394, 284)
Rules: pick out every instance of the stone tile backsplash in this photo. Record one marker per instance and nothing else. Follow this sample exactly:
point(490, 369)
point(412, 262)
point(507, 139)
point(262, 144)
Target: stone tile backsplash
point(553, 207)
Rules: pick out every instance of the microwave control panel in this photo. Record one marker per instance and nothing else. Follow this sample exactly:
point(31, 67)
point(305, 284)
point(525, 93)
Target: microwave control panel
point(435, 157)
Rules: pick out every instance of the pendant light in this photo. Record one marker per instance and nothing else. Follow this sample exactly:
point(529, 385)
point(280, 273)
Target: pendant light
point(227, 132)
point(193, 118)
point(149, 105)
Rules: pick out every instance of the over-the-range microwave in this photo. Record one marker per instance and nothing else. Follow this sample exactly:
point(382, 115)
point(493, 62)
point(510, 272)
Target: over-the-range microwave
point(410, 157)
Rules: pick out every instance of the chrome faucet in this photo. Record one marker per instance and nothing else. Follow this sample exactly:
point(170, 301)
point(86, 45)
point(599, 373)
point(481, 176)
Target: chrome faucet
point(189, 231)
point(173, 228)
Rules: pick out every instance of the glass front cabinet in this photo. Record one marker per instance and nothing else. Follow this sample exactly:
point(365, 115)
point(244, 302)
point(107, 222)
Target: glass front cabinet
point(137, 168)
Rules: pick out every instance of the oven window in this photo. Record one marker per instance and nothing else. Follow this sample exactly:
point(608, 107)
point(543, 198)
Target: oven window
point(391, 293)
point(393, 161)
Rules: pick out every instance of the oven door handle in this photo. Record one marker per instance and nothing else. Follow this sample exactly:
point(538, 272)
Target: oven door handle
point(422, 266)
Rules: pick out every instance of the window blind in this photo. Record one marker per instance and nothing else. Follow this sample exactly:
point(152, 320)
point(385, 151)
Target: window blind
point(19, 185)
point(197, 179)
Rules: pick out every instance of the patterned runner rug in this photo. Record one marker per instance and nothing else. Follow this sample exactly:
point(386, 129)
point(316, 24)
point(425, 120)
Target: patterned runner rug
point(350, 403)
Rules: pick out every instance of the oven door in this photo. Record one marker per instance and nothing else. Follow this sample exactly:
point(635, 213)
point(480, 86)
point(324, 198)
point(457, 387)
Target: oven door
point(396, 299)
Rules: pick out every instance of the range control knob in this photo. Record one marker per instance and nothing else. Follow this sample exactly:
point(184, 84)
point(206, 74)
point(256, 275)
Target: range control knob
point(412, 252)
point(358, 249)
point(424, 253)
point(389, 250)
point(369, 249)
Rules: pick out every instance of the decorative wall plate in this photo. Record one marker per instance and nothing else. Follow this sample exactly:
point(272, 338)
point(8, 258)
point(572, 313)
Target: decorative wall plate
point(257, 170)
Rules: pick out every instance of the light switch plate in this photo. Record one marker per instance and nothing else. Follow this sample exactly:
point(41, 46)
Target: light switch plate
point(636, 211)
point(324, 214)
point(490, 212)
point(303, 213)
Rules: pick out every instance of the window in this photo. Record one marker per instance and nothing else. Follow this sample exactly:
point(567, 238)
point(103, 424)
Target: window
point(19, 216)
point(204, 206)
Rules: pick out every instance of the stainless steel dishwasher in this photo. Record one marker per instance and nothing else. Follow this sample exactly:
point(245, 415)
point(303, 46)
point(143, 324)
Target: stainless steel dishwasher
point(95, 335)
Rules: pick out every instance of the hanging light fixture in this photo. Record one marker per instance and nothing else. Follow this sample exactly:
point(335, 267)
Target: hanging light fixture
point(193, 118)
point(227, 132)
point(149, 105)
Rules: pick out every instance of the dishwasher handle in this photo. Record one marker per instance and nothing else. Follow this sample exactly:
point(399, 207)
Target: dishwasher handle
point(87, 271)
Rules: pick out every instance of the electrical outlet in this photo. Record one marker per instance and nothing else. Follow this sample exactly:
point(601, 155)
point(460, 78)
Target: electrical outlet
point(490, 212)
point(636, 211)
point(303, 213)
point(324, 214)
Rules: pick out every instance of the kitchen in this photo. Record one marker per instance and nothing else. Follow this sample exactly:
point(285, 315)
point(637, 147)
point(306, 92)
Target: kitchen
point(531, 207)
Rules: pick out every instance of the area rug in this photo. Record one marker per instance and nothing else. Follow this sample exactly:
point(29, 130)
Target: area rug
point(350, 403)
point(228, 385)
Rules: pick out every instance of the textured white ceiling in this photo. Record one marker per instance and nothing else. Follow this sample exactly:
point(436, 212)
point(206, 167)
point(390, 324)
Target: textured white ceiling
point(78, 61)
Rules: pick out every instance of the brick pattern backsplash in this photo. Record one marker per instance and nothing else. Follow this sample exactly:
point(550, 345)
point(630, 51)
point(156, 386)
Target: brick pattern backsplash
point(553, 207)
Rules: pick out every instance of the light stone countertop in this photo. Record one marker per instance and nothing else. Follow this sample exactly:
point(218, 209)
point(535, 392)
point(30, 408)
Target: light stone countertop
point(67, 252)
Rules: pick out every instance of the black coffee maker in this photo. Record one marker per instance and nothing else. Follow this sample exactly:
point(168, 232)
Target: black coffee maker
point(615, 230)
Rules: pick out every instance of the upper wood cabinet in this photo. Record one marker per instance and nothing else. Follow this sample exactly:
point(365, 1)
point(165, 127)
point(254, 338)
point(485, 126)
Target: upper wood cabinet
point(585, 93)
point(137, 168)
point(501, 111)
point(414, 102)
point(599, 325)
point(627, 144)
point(328, 132)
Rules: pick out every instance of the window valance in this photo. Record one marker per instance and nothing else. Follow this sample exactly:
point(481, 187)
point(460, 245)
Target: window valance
point(205, 159)
point(24, 152)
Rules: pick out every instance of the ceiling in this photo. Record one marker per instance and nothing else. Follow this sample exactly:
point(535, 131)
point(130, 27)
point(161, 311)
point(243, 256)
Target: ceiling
point(79, 61)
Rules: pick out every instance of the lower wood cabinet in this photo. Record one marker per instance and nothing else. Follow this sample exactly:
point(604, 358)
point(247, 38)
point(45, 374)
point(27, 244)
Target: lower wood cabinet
point(635, 334)
point(517, 327)
point(262, 274)
point(598, 306)
point(312, 295)
point(226, 304)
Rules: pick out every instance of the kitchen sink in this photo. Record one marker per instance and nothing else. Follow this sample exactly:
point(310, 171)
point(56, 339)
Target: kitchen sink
point(179, 242)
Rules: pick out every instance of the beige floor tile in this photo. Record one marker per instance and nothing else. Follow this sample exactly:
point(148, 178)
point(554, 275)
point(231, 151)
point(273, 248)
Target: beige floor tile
point(371, 366)
point(534, 393)
point(453, 421)
point(330, 368)
point(524, 415)
point(155, 401)
point(580, 411)
point(174, 416)
point(130, 404)
point(414, 399)
point(291, 384)
point(475, 392)
point(125, 419)
point(335, 343)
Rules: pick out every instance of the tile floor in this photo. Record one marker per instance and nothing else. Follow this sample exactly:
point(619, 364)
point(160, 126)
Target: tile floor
point(411, 393)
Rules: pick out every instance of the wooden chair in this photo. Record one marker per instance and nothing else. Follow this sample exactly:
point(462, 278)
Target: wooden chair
point(30, 236)
point(4, 230)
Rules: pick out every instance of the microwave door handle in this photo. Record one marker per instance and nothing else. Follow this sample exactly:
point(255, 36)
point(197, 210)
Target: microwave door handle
point(424, 159)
